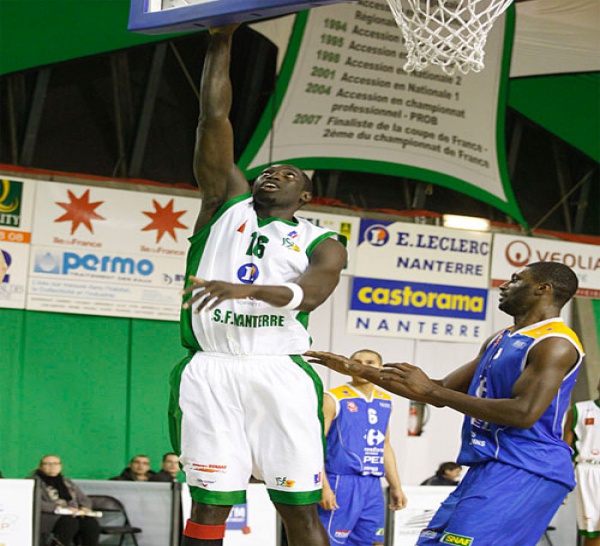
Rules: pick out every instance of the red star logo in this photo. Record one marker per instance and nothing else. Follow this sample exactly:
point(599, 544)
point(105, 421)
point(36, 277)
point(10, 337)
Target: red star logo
point(80, 211)
point(164, 220)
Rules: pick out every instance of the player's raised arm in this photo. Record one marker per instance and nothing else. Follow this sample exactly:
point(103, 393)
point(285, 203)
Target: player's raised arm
point(214, 167)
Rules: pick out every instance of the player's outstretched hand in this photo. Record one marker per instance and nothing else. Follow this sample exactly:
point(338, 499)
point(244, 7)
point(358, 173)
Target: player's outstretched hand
point(408, 380)
point(335, 362)
point(211, 293)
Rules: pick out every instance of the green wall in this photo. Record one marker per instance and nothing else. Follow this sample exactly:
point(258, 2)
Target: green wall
point(90, 389)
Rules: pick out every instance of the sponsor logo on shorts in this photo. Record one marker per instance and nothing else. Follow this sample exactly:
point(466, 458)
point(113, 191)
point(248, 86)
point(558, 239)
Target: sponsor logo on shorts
point(451, 538)
point(284, 482)
point(318, 477)
point(352, 407)
point(341, 533)
point(210, 468)
point(380, 532)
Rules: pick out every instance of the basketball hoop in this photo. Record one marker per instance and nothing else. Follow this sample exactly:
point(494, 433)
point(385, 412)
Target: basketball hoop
point(448, 33)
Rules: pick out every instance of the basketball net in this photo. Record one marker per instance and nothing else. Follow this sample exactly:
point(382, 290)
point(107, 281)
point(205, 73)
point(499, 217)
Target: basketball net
point(448, 33)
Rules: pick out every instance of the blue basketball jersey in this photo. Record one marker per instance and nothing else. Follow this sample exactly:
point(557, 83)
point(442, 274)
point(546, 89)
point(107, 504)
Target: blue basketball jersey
point(539, 449)
point(356, 438)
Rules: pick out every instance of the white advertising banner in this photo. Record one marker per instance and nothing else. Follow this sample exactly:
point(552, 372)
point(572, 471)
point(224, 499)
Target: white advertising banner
point(343, 101)
point(346, 226)
point(17, 197)
point(511, 253)
point(16, 512)
point(422, 506)
point(104, 251)
point(420, 282)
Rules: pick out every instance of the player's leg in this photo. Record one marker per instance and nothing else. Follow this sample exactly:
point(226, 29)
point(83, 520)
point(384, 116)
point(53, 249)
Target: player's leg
point(283, 399)
point(206, 526)
point(587, 496)
point(214, 451)
point(491, 508)
point(302, 524)
point(340, 523)
point(370, 524)
point(430, 535)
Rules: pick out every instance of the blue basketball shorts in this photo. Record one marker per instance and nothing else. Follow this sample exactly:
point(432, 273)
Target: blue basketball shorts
point(495, 505)
point(360, 518)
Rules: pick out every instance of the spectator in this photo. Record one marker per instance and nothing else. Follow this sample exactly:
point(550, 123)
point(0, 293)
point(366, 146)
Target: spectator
point(138, 470)
point(61, 494)
point(169, 469)
point(446, 474)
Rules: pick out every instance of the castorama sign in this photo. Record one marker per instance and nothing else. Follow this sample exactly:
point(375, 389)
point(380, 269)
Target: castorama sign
point(420, 282)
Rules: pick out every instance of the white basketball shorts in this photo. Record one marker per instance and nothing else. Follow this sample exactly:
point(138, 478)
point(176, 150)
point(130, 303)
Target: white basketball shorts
point(244, 416)
point(587, 497)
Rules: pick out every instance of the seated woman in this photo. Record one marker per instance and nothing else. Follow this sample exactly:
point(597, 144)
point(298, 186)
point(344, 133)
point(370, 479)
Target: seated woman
point(446, 474)
point(60, 493)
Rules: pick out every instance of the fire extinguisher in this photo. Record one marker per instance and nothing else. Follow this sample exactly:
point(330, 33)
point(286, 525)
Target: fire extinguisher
point(418, 415)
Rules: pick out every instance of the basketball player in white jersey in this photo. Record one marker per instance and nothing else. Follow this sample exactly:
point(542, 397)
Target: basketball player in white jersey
point(582, 433)
point(244, 403)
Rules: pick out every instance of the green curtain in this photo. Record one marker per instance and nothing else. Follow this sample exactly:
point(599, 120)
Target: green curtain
point(90, 389)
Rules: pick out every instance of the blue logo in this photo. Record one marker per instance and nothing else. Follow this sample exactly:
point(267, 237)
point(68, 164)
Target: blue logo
point(47, 262)
point(8, 260)
point(238, 517)
point(377, 235)
point(248, 273)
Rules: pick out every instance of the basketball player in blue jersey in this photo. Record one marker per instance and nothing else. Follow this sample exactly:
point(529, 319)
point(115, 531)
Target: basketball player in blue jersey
point(244, 403)
point(514, 395)
point(359, 453)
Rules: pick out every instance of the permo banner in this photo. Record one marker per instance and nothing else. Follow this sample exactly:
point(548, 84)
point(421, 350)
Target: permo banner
point(105, 251)
point(420, 282)
point(343, 101)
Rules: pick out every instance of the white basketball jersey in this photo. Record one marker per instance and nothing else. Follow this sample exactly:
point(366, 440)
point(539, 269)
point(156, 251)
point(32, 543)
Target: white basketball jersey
point(587, 432)
point(238, 247)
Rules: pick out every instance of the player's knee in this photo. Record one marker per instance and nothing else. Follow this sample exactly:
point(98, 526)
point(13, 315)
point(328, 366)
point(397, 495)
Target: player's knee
point(301, 516)
point(209, 514)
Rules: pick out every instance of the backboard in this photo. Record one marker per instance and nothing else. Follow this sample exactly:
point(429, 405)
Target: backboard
point(167, 16)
